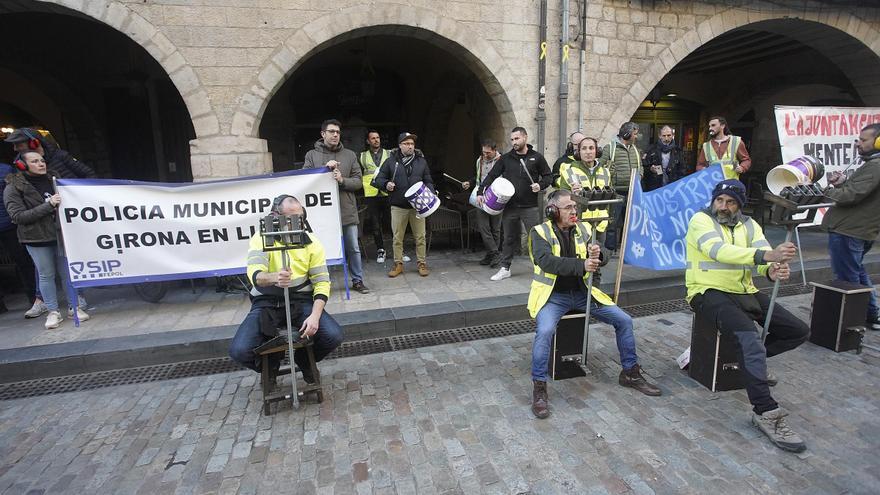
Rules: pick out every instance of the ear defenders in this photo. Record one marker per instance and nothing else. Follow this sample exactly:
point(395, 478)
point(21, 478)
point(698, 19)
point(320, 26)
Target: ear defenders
point(276, 205)
point(551, 211)
point(33, 142)
point(19, 163)
point(877, 143)
point(577, 150)
point(627, 130)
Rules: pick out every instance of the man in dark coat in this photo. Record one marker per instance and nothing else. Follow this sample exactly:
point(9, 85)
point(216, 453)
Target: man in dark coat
point(67, 167)
point(662, 162)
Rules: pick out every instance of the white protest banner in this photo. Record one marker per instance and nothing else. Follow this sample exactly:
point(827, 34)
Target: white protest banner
point(119, 231)
point(827, 133)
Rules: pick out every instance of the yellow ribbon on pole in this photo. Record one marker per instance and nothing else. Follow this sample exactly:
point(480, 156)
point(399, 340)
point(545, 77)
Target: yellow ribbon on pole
point(543, 50)
point(565, 50)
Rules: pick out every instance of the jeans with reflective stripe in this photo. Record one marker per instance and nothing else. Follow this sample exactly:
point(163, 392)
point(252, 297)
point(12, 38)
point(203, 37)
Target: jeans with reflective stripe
point(847, 263)
point(561, 303)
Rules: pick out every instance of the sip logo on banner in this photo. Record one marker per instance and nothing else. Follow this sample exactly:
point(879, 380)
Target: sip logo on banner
point(83, 270)
point(659, 219)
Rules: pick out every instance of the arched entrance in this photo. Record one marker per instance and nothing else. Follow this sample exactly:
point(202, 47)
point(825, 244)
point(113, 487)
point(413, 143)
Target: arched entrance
point(101, 94)
point(744, 72)
point(376, 80)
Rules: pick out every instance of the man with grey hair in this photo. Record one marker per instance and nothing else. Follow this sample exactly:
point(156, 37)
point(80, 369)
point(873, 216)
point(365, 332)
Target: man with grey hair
point(568, 156)
point(662, 164)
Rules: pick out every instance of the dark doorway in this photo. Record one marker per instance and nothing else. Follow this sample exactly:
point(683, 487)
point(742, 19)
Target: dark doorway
point(98, 93)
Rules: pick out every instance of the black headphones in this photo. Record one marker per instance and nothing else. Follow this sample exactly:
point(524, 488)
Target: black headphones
point(551, 211)
point(627, 130)
point(276, 205)
point(577, 150)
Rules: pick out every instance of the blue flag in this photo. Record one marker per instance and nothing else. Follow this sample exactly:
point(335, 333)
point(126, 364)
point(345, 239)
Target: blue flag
point(659, 219)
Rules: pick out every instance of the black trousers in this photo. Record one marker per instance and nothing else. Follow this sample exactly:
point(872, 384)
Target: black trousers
point(736, 315)
point(378, 214)
point(510, 222)
point(23, 263)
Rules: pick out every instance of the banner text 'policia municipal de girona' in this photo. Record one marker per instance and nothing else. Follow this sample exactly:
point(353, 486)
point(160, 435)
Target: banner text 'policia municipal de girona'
point(118, 231)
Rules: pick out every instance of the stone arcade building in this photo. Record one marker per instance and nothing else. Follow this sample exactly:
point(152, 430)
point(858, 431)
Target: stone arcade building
point(202, 89)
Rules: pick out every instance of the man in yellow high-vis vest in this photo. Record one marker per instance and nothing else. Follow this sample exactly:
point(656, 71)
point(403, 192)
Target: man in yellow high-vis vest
point(378, 209)
point(563, 265)
point(724, 247)
point(724, 148)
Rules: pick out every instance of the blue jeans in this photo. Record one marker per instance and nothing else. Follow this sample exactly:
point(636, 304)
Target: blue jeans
point(353, 252)
point(847, 255)
point(248, 336)
point(561, 303)
point(48, 261)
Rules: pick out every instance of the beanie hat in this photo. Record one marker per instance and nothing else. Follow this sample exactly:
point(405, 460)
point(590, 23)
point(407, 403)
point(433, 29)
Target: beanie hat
point(733, 188)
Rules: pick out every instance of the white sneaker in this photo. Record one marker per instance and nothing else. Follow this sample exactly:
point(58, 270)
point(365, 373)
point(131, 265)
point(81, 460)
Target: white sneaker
point(501, 275)
point(54, 319)
point(406, 259)
point(80, 314)
point(39, 308)
point(380, 256)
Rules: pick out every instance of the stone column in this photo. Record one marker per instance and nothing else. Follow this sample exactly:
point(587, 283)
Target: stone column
point(222, 157)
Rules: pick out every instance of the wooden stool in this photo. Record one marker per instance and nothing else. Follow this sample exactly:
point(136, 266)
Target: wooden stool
point(274, 393)
point(714, 360)
point(568, 341)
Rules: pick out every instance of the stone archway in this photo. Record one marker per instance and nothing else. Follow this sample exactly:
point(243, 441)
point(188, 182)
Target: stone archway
point(121, 18)
point(844, 26)
point(418, 22)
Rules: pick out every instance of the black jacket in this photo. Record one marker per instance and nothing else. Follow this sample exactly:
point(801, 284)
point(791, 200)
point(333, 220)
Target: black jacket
point(674, 171)
point(66, 166)
point(510, 166)
point(29, 210)
point(403, 176)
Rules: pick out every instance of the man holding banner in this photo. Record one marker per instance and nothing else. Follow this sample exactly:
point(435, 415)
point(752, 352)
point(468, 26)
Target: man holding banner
point(852, 222)
point(308, 281)
point(723, 247)
point(564, 259)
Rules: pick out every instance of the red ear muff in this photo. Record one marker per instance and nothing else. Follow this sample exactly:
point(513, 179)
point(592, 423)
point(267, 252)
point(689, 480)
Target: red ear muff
point(33, 144)
point(19, 163)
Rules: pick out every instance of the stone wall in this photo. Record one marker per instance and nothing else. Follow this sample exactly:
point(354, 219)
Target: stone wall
point(228, 57)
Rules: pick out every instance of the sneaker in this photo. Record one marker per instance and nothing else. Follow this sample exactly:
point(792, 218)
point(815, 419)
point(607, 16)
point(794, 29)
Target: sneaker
point(397, 270)
point(38, 309)
point(359, 286)
point(490, 255)
point(406, 259)
point(873, 322)
point(423, 269)
point(380, 256)
point(501, 275)
point(633, 378)
point(772, 423)
point(80, 314)
point(54, 319)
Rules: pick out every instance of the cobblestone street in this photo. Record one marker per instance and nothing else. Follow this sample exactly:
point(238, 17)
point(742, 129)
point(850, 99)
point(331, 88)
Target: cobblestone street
point(455, 419)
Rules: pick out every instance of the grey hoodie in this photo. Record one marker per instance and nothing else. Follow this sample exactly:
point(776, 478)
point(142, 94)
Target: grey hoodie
point(351, 173)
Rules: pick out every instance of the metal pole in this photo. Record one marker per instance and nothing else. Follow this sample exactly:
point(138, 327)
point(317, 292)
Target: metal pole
point(622, 245)
point(797, 236)
point(542, 75)
point(563, 80)
point(589, 305)
point(583, 65)
point(295, 396)
point(788, 234)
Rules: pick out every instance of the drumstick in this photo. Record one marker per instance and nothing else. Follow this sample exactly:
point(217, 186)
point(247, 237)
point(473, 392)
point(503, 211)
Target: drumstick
point(452, 178)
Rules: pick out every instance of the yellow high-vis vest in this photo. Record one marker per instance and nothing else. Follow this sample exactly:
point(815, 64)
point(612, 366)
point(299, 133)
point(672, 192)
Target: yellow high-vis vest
point(722, 258)
point(308, 266)
point(575, 172)
point(369, 171)
point(543, 282)
point(728, 162)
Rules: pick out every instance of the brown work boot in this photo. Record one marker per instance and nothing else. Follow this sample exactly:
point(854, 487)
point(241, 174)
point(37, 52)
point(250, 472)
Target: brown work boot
point(633, 378)
point(423, 269)
point(539, 400)
point(397, 270)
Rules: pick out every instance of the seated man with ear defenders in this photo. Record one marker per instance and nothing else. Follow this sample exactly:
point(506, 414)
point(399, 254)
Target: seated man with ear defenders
point(308, 281)
point(563, 264)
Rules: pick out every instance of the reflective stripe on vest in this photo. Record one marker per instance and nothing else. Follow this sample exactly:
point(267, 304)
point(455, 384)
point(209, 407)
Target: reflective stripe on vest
point(369, 172)
point(729, 161)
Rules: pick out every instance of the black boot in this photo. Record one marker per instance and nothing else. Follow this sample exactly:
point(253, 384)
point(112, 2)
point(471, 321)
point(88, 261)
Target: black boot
point(633, 378)
point(539, 400)
point(490, 255)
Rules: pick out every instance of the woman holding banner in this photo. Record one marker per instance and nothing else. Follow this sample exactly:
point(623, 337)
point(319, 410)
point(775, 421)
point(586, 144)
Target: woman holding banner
point(31, 202)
